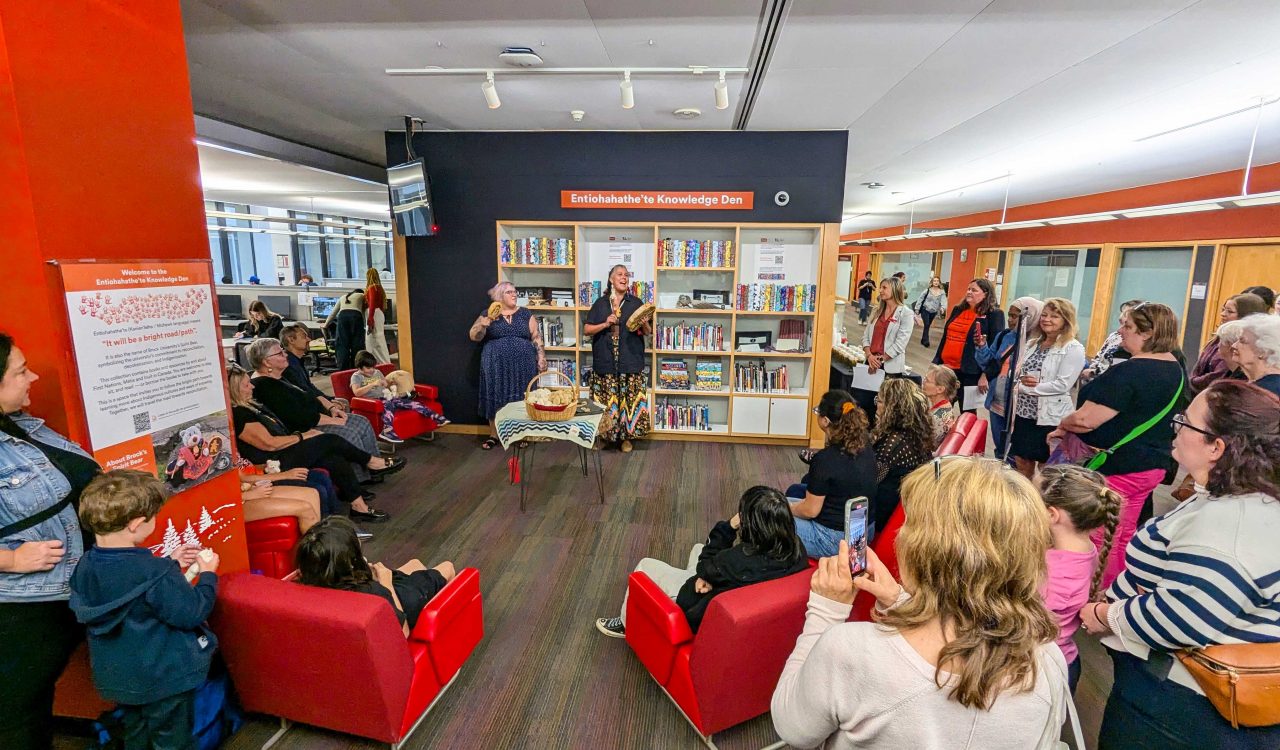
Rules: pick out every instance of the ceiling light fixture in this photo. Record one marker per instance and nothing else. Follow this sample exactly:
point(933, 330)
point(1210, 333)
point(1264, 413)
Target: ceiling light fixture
point(722, 93)
point(1020, 224)
point(1261, 199)
point(628, 94)
point(1187, 208)
point(1086, 219)
point(490, 91)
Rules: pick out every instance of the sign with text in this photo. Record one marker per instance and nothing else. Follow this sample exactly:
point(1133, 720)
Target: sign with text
point(698, 200)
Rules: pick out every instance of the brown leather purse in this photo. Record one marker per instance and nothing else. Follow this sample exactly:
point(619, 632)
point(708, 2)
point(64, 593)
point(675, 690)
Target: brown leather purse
point(1241, 680)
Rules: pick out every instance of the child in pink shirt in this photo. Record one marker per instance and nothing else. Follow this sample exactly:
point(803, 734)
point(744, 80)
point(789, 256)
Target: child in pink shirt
point(1079, 502)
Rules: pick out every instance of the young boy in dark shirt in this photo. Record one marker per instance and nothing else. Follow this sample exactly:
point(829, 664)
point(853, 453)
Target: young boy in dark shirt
point(148, 645)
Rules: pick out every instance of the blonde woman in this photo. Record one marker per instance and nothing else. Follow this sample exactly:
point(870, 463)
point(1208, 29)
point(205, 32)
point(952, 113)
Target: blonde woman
point(962, 652)
point(375, 299)
point(1042, 396)
point(932, 303)
point(887, 335)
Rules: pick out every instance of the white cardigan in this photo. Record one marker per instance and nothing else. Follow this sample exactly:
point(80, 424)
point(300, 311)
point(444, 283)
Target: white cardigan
point(896, 338)
point(1058, 375)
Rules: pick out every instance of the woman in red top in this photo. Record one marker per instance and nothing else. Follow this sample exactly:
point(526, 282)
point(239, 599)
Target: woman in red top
point(977, 318)
point(375, 297)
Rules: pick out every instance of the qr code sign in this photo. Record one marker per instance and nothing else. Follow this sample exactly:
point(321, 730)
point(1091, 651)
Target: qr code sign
point(142, 421)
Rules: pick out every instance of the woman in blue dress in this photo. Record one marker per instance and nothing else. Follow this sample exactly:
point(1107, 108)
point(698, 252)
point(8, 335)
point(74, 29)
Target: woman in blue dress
point(512, 355)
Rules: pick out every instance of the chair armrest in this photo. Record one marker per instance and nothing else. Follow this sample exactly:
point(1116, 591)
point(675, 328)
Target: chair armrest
point(447, 606)
point(429, 392)
point(367, 405)
point(656, 627)
point(452, 624)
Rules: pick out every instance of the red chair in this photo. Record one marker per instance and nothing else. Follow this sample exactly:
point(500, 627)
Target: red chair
point(953, 440)
point(726, 673)
point(338, 659)
point(74, 695)
point(407, 424)
point(272, 543)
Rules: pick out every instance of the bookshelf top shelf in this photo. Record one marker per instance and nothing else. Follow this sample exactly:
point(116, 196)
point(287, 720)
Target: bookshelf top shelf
point(562, 266)
point(720, 269)
point(789, 355)
point(788, 313)
point(693, 311)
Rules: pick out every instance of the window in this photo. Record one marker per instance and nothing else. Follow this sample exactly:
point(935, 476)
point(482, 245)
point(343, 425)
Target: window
point(1068, 273)
point(232, 252)
point(1153, 274)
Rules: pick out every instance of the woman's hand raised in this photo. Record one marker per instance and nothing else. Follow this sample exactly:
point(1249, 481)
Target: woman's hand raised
point(832, 579)
point(877, 581)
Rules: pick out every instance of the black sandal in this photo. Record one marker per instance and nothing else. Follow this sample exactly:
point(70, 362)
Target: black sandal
point(392, 466)
point(488, 443)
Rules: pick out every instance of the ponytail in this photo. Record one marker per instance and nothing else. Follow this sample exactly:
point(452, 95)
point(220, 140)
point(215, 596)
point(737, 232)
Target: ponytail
point(849, 428)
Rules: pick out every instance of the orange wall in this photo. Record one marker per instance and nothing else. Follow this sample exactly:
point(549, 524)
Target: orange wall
point(97, 161)
point(1260, 221)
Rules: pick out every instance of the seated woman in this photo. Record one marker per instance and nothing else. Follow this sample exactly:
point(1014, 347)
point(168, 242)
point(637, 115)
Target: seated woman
point(368, 382)
point(962, 654)
point(261, 323)
point(845, 468)
point(1203, 574)
point(263, 437)
point(329, 556)
point(902, 439)
point(758, 544)
point(940, 387)
point(299, 410)
point(267, 496)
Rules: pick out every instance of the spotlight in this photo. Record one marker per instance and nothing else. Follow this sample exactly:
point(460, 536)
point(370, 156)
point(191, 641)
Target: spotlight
point(490, 92)
point(722, 93)
point(628, 95)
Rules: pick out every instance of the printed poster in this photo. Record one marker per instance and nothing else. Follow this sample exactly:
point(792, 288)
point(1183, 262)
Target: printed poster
point(771, 260)
point(146, 344)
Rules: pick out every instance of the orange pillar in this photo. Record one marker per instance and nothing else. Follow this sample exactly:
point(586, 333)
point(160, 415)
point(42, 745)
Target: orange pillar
point(97, 161)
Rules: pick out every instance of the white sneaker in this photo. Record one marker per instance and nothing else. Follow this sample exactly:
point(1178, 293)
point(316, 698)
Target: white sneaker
point(612, 627)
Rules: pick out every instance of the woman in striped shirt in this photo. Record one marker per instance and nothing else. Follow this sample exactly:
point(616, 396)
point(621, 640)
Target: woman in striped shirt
point(1205, 573)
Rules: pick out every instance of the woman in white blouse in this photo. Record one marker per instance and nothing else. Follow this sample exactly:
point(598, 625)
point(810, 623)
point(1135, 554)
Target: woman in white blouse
point(1045, 379)
point(962, 654)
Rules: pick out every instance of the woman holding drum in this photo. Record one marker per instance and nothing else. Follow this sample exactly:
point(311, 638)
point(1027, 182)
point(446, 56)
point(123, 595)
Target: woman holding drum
point(618, 323)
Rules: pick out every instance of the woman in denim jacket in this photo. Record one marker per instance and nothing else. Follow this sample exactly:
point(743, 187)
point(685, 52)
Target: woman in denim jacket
point(41, 475)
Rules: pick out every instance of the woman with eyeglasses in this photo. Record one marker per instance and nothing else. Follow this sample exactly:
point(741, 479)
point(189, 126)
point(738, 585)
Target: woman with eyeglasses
point(1257, 353)
point(1211, 365)
point(1124, 412)
point(1205, 573)
point(961, 653)
point(845, 468)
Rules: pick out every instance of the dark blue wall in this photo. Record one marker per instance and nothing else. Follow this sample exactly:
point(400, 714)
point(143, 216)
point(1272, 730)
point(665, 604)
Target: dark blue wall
point(478, 179)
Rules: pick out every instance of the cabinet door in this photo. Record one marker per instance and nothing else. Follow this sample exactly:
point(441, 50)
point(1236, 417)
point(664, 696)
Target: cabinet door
point(788, 416)
point(751, 414)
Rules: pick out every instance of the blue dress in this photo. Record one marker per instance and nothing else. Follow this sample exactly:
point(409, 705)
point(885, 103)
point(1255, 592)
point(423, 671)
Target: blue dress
point(507, 364)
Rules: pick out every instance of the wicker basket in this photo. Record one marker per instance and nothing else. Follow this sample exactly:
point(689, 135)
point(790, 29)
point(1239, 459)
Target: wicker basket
point(542, 413)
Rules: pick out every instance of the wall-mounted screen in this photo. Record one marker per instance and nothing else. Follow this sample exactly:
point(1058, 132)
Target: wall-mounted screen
point(410, 194)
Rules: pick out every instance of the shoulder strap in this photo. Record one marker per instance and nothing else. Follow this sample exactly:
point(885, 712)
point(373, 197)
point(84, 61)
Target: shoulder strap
point(1101, 457)
point(38, 518)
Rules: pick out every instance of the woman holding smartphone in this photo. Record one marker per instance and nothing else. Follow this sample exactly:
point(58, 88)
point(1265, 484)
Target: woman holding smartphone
point(977, 319)
point(1045, 380)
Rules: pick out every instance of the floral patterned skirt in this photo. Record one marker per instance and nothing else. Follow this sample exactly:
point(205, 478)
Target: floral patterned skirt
point(625, 398)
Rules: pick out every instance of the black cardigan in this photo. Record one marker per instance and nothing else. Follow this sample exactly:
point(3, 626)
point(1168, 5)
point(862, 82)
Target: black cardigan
point(990, 324)
point(630, 345)
point(296, 408)
point(727, 566)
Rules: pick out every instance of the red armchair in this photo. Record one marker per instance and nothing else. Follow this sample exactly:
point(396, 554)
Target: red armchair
point(407, 424)
point(338, 659)
point(706, 675)
point(272, 543)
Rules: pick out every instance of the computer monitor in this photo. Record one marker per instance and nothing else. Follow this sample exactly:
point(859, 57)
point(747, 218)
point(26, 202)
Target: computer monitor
point(280, 304)
point(230, 306)
point(322, 306)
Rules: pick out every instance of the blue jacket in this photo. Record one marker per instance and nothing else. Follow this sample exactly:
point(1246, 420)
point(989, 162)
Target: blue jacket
point(147, 639)
point(29, 484)
point(989, 359)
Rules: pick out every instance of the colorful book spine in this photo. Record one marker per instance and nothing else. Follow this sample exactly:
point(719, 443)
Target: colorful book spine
point(539, 251)
point(704, 337)
point(674, 253)
point(671, 416)
point(566, 366)
point(777, 297)
point(756, 377)
point(709, 375)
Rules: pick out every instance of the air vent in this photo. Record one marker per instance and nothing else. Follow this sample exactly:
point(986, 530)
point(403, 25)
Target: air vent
point(520, 57)
point(687, 113)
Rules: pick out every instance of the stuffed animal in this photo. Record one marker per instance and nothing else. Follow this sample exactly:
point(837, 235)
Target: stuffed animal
point(399, 383)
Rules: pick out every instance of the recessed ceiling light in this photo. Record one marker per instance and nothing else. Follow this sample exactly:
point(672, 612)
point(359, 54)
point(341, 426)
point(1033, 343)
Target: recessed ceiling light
point(873, 185)
point(687, 113)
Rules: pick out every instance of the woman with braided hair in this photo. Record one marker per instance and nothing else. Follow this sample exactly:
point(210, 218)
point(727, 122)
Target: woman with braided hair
point(845, 468)
point(1079, 502)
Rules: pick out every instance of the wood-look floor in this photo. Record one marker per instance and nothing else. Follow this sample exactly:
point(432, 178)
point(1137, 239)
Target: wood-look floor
point(543, 677)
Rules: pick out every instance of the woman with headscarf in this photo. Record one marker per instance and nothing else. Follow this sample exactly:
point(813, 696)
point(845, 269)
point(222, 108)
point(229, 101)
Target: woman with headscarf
point(1001, 357)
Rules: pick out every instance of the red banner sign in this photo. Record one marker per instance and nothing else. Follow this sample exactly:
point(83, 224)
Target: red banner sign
point(694, 200)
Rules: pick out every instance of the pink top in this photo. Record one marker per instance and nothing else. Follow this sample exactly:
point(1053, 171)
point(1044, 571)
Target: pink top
point(1067, 591)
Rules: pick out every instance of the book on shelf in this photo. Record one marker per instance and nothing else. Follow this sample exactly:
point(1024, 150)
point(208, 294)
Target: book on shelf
point(673, 374)
point(776, 297)
point(757, 377)
point(674, 253)
point(566, 366)
point(539, 251)
point(668, 415)
point(590, 291)
point(709, 375)
point(703, 337)
point(552, 330)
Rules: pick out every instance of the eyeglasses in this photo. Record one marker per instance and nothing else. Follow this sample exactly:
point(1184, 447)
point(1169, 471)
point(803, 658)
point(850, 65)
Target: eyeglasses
point(815, 411)
point(1180, 420)
point(277, 352)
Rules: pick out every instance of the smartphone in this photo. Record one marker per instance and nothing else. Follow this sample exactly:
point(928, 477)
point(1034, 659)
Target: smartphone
point(857, 532)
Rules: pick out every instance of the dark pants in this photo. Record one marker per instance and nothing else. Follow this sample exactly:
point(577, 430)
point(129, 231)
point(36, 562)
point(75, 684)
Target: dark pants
point(331, 453)
point(864, 308)
point(1073, 675)
point(350, 326)
point(36, 639)
point(926, 322)
point(165, 724)
point(1145, 713)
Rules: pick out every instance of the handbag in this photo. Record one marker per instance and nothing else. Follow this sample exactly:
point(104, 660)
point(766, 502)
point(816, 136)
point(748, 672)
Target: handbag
point(1241, 680)
point(1073, 450)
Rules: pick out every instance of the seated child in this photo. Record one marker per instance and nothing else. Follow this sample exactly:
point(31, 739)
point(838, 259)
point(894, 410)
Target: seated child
point(148, 644)
point(940, 387)
point(368, 382)
point(329, 556)
point(1079, 502)
point(758, 544)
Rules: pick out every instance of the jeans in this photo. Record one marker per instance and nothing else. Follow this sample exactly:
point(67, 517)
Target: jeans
point(926, 322)
point(1144, 713)
point(863, 308)
point(998, 427)
point(818, 540)
point(165, 724)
